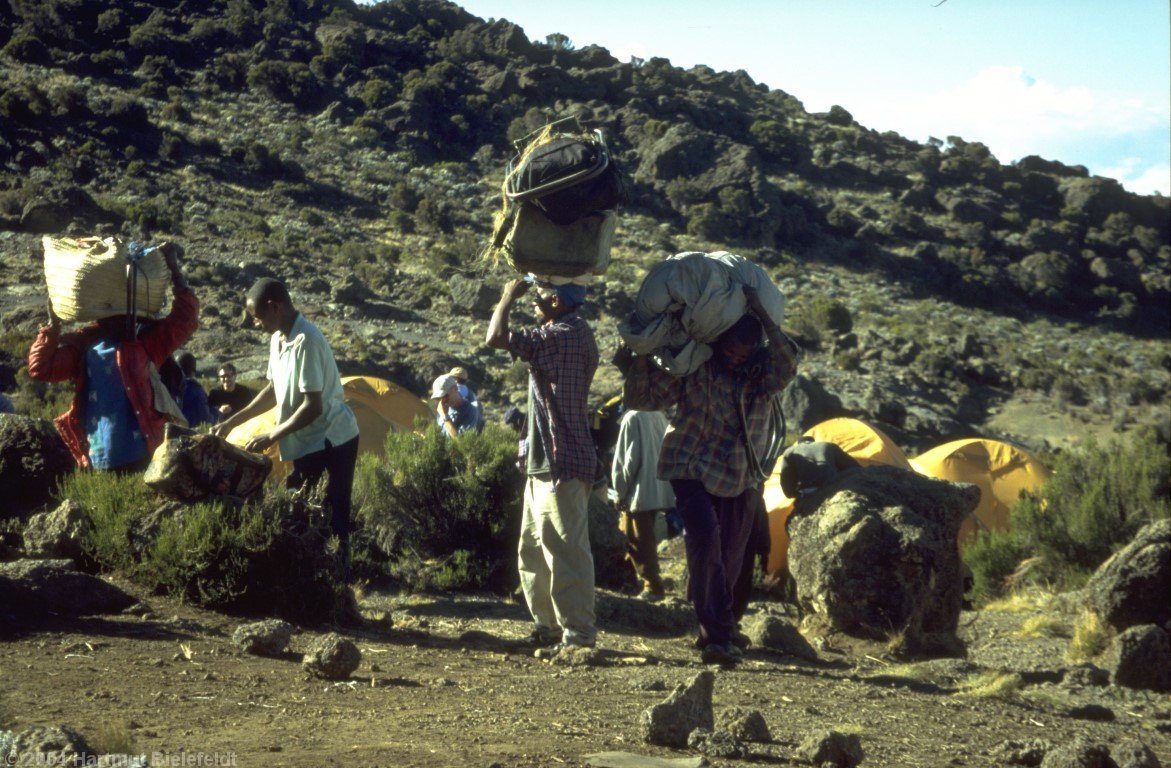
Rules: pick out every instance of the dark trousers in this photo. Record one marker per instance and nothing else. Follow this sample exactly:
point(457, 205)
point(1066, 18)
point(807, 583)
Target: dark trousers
point(759, 544)
point(716, 532)
point(338, 462)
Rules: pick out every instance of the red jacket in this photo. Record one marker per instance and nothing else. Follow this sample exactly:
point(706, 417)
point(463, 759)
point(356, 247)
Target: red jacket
point(59, 357)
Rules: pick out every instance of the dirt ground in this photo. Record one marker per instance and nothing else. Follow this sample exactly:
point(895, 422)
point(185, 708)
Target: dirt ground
point(444, 687)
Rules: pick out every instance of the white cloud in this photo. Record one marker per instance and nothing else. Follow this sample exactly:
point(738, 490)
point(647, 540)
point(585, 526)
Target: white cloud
point(626, 51)
point(1140, 178)
point(1016, 115)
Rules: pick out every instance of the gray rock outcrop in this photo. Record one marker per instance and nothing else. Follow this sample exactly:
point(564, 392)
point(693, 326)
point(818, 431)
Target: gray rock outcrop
point(1132, 587)
point(33, 588)
point(332, 657)
point(842, 750)
point(32, 459)
point(689, 707)
point(1140, 658)
point(772, 633)
point(875, 553)
point(263, 638)
point(57, 533)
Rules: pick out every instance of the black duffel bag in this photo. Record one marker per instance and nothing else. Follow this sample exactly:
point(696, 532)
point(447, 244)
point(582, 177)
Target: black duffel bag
point(567, 176)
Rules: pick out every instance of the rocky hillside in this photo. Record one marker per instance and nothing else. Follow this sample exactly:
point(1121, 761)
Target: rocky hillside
point(357, 152)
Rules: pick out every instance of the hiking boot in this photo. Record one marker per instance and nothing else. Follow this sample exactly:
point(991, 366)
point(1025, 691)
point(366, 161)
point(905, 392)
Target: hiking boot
point(724, 654)
point(560, 648)
point(542, 638)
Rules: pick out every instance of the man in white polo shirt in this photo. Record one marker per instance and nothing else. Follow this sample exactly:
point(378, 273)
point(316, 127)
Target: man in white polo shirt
point(315, 429)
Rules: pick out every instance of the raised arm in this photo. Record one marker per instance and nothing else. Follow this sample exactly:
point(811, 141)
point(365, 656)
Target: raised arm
point(497, 337)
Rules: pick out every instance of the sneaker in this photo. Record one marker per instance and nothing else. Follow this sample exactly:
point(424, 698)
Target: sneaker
point(650, 595)
point(741, 640)
point(721, 653)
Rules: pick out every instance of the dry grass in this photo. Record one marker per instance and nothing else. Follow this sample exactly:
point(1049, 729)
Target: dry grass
point(1021, 601)
point(114, 738)
point(990, 685)
point(1091, 636)
point(1042, 627)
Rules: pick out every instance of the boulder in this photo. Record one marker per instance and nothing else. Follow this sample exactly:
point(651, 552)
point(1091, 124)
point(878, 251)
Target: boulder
point(608, 546)
point(806, 402)
point(32, 459)
point(842, 750)
point(332, 657)
point(473, 296)
point(1078, 753)
point(1140, 658)
point(54, 212)
point(689, 707)
point(1132, 753)
point(875, 554)
point(772, 633)
point(47, 745)
point(58, 533)
point(1131, 588)
point(716, 744)
point(263, 638)
point(40, 587)
point(750, 727)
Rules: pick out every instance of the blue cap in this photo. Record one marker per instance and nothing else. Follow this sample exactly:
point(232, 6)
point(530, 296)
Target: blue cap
point(571, 295)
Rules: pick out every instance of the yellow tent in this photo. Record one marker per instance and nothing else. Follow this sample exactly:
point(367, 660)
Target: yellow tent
point(1001, 471)
point(866, 444)
point(380, 407)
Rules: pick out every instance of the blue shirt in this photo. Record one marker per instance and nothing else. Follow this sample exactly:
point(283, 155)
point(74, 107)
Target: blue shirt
point(115, 439)
point(468, 416)
point(195, 407)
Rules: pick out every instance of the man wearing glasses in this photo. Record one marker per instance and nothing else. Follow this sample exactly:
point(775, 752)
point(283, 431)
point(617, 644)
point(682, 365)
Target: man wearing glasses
point(229, 397)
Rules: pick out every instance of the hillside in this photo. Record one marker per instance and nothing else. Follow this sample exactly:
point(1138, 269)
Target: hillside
point(356, 152)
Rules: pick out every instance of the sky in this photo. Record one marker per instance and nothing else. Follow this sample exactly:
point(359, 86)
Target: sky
point(1084, 82)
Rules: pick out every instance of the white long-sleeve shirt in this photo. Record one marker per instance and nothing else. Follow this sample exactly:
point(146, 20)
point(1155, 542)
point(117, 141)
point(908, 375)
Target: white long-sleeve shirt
point(634, 478)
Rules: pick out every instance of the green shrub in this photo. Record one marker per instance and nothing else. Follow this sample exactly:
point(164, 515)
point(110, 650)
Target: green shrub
point(438, 512)
point(271, 556)
point(114, 502)
point(28, 49)
point(291, 82)
point(1096, 501)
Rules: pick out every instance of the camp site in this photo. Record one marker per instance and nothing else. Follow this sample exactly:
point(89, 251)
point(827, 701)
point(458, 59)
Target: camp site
point(321, 323)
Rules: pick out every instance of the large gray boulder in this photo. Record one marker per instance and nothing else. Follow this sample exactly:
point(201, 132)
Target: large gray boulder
point(1132, 587)
point(1140, 658)
point(875, 553)
point(57, 533)
point(32, 459)
point(35, 588)
point(46, 745)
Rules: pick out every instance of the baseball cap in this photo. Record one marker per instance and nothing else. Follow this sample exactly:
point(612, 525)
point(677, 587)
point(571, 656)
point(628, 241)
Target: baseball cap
point(443, 385)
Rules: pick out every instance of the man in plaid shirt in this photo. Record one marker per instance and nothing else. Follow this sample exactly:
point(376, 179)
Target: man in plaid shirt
point(719, 429)
point(554, 560)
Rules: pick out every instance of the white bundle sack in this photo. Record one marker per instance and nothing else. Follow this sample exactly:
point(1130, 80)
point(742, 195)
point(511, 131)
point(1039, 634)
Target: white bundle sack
point(688, 300)
point(87, 278)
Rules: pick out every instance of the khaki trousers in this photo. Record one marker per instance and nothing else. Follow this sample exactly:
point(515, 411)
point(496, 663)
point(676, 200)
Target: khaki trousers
point(554, 560)
point(642, 548)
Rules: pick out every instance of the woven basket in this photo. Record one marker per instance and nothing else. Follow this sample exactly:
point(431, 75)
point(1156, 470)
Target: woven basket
point(87, 278)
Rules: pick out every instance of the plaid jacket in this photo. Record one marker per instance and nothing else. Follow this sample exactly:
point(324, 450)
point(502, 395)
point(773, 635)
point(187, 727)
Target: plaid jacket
point(706, 440)
point(562, 358)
